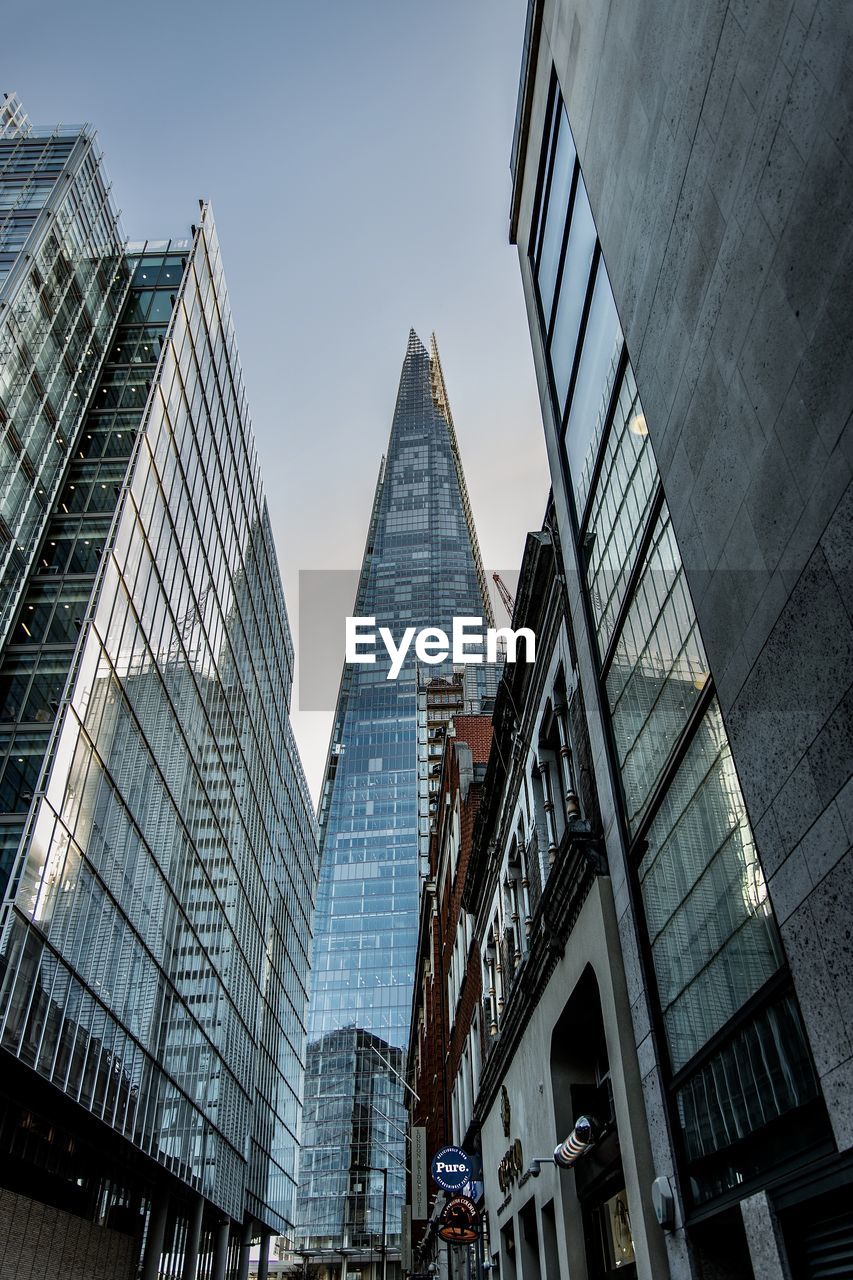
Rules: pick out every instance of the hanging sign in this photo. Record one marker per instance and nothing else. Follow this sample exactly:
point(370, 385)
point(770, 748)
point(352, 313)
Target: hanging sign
point(451, 1168)
point(420, 1208)
point(459, 1222)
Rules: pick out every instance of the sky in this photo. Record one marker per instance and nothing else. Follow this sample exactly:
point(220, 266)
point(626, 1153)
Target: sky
point(356, 154)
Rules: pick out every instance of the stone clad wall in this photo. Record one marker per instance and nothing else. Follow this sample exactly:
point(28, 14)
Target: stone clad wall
point(37, 1240)
point(716, 142)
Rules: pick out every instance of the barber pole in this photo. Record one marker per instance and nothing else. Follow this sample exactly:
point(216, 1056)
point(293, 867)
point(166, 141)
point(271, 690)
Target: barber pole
point(579, 1141)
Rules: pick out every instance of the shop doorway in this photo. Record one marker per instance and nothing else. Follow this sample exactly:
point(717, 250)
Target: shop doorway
point(580, 1079)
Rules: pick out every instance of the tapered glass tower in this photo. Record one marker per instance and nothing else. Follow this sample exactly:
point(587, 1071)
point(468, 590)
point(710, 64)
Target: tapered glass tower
point(421, 568)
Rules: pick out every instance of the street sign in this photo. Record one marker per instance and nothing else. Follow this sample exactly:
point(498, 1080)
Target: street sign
point(459, 1222)
point(451, 1168)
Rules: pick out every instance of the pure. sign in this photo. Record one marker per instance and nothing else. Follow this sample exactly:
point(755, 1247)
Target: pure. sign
point(441, 1167)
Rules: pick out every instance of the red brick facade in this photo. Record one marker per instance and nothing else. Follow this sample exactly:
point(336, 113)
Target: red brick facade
point(436, 1047)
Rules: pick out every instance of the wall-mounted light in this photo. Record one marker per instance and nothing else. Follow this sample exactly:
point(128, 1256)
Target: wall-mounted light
point(663, 1203)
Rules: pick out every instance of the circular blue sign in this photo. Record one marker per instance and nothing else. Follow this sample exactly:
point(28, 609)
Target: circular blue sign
point(451, 1168)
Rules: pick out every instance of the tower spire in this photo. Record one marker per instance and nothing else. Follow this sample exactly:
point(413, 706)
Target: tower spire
point(415, 346)
point(421, 567)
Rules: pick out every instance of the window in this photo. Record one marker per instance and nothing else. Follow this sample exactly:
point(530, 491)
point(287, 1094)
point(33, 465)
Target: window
point(574, 284)
point(559, 189)
point(713, 937)
point(602, 346)
point(658, 670)
point(620, 510)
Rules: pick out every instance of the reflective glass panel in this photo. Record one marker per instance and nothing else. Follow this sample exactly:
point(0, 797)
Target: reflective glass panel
point(574, 283)
point(602, 345)
point(620, 509)
point(714, 941)
point(658, 670)
point(555, 214)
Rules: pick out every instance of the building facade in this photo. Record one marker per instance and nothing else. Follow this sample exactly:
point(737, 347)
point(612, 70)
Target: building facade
point(694, 365)
point(439, 700)
point(421, 568)
point(443, 1062)
point(557, 1040)
point(160, 848)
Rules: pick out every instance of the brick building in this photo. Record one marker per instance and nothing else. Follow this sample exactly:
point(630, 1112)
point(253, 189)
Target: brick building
point(446, 1040)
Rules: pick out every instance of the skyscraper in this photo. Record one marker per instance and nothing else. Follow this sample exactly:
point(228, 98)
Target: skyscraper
point(421, 568)
point(159, 848)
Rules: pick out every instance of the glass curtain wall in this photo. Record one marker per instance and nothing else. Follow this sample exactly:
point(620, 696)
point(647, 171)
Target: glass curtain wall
point(62, 298)
point(40, 649)
point(155, 961)
point(737, 1056)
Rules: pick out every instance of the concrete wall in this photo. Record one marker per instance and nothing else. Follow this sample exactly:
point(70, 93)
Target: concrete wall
point(716, 142)
point(37, 1240)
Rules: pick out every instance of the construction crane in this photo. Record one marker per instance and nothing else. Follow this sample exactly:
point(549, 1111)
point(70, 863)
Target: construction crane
point(503, 592)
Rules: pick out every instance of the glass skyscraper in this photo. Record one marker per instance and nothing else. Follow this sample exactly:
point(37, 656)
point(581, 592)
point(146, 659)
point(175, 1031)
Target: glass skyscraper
point(421, 568)
point(159, 850)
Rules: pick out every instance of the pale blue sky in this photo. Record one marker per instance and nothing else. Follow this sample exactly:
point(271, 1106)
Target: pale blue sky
point(356, 153)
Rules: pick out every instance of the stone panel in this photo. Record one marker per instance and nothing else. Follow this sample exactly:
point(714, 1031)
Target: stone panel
point(800, 676)
point(39, 1240)
point(766, 1247)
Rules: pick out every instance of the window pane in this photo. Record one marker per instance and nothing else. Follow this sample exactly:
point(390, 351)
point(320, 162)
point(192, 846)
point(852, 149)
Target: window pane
point(763, 1072)
point(555, 215)
point(658, 670)
point(602, 345)
point(46, 690)
point(14, 680)
point(10, 839)
point(711, 928)
point(619, 510)
point(573, 286)
point(161, 308)
point(70, 611)
point(146, 272)
point(54, 553)
point(21, 773)
point(34, 616)
point(137, 307)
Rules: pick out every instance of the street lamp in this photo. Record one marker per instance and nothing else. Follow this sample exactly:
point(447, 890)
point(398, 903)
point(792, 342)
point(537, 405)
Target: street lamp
point(372, 1168)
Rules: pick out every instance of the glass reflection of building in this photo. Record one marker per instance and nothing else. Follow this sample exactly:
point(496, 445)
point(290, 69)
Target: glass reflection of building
point(741, 1084)
point(421, 568)
point(159, 851)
